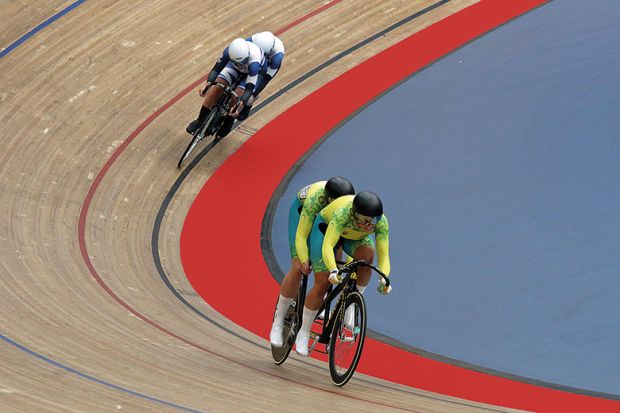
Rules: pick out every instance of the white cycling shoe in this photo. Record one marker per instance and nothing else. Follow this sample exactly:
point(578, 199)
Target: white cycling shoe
point(349, 318)
point(275, 336)
point(303, 336)
point(301, 343)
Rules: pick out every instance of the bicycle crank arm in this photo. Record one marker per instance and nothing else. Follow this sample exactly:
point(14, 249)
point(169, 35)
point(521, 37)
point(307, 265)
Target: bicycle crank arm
point(315, 339)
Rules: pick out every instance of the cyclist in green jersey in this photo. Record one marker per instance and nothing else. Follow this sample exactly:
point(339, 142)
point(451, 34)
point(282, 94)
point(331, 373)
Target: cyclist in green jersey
point(308, 202)
point(347, 222)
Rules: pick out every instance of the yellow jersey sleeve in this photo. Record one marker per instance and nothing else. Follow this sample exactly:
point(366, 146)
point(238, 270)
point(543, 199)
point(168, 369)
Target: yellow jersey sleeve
point(332, 235)
point(383, 245)
point(314, 200)
point(335, 214)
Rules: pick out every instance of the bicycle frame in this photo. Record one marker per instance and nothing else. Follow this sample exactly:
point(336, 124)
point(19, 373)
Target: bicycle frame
point(212, 124)
point(220, 108)
point(342, 290)
point(229, 93)
point(301, 300)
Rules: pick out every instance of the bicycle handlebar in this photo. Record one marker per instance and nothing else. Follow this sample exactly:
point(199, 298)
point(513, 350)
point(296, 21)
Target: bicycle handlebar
point(351, 267)
point(227, 89)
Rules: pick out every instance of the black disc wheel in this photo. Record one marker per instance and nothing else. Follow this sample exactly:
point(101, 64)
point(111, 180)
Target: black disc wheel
point(280, 354)
point(347, 339)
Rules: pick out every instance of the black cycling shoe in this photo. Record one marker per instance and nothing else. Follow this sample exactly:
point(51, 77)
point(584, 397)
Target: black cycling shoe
point(193, 126)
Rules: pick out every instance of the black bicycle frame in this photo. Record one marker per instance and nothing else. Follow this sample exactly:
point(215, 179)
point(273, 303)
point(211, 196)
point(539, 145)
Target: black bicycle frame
point(346, 286)
point(347, 283)
point(228, 95)
point(222, 105)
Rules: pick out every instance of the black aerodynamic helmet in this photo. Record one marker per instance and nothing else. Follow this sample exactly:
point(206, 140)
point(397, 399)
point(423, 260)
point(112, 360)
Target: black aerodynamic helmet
point(368, 204)
point(337, 187)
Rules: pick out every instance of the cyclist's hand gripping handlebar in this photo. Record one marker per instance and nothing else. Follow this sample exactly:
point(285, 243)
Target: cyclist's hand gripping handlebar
point(203, 92)
point(384, 282)
point(384, 286)
point(334, 277)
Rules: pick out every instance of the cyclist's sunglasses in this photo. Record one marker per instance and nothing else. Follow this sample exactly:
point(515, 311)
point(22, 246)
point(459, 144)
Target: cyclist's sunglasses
point(243, 62)
point(362, 220)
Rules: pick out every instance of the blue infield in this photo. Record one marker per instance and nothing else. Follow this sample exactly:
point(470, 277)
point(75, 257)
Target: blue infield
point(499, 168)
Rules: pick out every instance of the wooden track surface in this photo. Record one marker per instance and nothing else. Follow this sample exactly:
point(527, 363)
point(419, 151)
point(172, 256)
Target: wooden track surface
point(69, 96)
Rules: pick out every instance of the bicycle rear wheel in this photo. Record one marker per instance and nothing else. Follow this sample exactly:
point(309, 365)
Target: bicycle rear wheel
point(280, 354)
point(347, 339)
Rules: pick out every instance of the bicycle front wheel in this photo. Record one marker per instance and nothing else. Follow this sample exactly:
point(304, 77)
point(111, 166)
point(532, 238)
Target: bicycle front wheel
point(347, 339)
point(189, 149)
point(199, 135)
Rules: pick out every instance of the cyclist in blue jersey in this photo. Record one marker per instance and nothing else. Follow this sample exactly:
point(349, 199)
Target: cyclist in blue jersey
point(239, 66)
point(273, 49)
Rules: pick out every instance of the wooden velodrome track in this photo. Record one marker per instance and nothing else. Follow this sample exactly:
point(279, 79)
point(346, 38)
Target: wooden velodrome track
point(103, 332)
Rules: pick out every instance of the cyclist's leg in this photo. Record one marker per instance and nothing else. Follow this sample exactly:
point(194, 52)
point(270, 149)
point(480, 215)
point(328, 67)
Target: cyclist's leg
point(226, 126)
point(314, 299)
point(243, 115)
point(230, 120)
point(291, 281)
point(290, 284)
point(227, 76)
point(362, 249)
point(311, 308)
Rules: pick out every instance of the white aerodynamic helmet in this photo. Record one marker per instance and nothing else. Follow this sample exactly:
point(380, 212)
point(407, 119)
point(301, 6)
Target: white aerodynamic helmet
point(264, 40)
point(239, 51)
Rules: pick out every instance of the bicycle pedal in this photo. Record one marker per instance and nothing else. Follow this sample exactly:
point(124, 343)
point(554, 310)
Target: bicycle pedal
point(314, 337)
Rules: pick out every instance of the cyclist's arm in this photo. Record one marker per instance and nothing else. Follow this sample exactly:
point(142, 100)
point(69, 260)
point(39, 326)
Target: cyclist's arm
point(301, 237)
point(274, 65)
point(250, 81)
point(383, 256)
point(249, 88)
point(266, 78)
point(383, 245)
point(272, 69)
point(218, 66)
point(275, 61)
point(332, 235)
point(312, 204)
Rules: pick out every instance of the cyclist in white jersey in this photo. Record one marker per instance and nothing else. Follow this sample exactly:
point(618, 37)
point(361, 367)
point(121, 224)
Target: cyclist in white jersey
point(239, 66)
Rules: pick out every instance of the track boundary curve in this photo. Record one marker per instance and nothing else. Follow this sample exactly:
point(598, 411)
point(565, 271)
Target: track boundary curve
point(485, 16)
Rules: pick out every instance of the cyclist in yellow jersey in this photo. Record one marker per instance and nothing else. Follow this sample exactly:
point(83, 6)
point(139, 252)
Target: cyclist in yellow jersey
point(309, 201)
point(348, 221)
